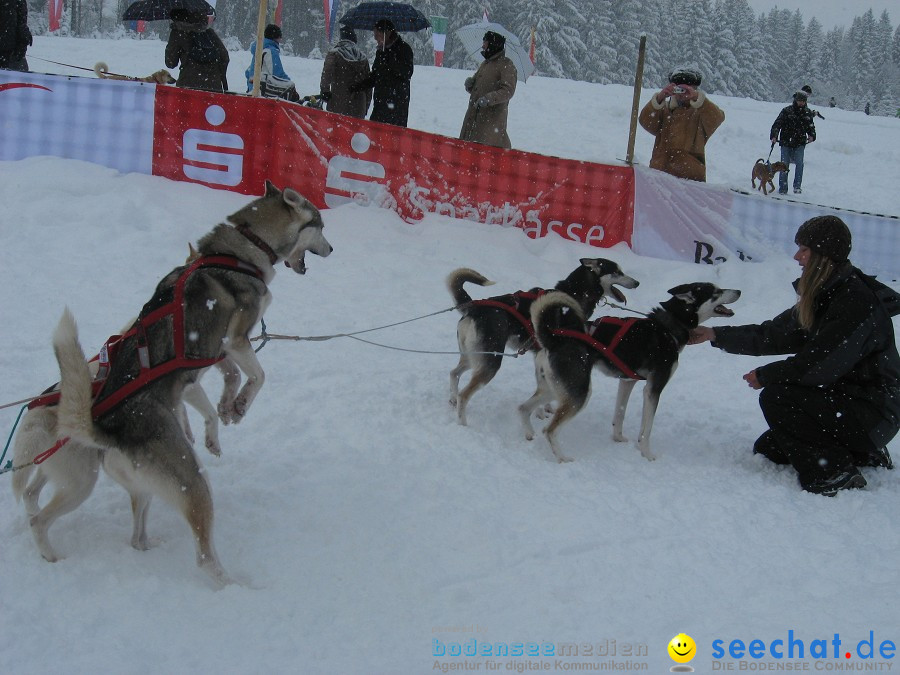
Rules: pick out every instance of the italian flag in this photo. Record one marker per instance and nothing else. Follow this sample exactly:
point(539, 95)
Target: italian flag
point(439, 37)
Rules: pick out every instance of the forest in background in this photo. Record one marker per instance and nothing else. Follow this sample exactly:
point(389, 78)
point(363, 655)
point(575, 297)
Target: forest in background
point(763, 57)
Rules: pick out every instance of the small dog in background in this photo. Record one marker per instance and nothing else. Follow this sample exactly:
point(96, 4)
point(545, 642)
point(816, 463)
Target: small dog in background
point(162, 76)
point(765, 173)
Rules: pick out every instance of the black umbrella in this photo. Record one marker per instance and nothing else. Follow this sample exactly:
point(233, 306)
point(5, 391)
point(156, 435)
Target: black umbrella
point(405, 17)
point(159, 10)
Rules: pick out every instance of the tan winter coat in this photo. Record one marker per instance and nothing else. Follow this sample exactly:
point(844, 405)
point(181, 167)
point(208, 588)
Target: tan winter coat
point(495, 79)
point(345, 65)
point(681, 134)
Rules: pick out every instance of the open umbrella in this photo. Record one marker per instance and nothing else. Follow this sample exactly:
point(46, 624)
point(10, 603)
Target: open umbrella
point(158, 10)
point(473, 35)
point(405, 18)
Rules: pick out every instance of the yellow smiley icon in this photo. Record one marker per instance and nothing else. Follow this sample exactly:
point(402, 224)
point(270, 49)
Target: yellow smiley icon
point(682, 648)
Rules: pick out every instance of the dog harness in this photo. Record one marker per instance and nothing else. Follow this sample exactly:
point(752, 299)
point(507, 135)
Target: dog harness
point(147, 373)
point(608, 350)
point(513, 309)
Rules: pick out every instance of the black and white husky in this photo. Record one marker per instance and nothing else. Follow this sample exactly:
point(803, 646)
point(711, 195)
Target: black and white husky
point(629, 350)
point(488, 326)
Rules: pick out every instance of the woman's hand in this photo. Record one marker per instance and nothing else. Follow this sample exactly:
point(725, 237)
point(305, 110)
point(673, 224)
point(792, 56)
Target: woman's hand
point(750, 379)
point(701, 334)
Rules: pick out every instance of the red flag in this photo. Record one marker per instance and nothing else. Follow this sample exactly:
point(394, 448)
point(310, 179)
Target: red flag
point(531, 49)
point(278, 10)
point(54, 8)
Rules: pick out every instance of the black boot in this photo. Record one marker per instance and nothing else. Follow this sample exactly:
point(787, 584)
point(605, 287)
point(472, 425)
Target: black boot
point(845, 479)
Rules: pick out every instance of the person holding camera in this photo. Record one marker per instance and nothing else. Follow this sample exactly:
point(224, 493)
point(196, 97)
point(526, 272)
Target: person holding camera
point(682, 119)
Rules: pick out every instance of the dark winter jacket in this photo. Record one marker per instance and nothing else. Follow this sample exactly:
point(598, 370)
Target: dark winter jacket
point(392, 70)
point(795, 124)
point(495, 81)
point(208, 75)
point(15, 36)
point(850, 348)
point(344, 65)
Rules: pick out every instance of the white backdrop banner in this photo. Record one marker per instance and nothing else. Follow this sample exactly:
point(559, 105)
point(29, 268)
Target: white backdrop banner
point(106, 122)
point(678, 219)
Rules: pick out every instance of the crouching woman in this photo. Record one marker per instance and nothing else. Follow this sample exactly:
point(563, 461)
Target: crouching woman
point(834, 404)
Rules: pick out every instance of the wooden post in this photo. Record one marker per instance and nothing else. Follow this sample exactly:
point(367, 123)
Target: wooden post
point(636, 101)
point(260, 29)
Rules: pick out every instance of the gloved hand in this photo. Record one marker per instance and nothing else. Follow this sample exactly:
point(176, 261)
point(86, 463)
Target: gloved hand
point(470, 82)
point(810, 138)
point(482, 102)
point(773, 140)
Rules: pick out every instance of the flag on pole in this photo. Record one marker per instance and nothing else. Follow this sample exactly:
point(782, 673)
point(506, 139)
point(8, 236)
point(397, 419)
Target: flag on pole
point(484, 16)
point(439, 38)
point(54, 8)
point(331, 10)
point(278, 10)
point(136, 26)
point(531, 49)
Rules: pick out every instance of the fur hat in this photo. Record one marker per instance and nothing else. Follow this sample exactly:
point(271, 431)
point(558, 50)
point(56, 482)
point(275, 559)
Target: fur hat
point(686, 75)
point(495, 44)
point(384, 25)
point(272, 32)
point(827, 235)
point(347, 33)
point(800, 95)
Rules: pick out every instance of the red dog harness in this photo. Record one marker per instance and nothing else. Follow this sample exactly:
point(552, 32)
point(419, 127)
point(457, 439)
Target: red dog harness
point(608, 350)
point(148, 373)
point(514, 308)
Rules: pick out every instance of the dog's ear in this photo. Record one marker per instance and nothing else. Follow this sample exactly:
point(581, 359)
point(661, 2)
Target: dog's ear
point(271, 190)
point(684, 292)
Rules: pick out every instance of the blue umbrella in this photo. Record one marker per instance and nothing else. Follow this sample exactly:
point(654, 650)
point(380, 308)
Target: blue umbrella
point(405, 18)
point(159, 10)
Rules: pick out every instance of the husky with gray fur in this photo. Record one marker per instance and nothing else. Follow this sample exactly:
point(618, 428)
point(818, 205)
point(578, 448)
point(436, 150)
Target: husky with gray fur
point(650, 349)
point(141, 443)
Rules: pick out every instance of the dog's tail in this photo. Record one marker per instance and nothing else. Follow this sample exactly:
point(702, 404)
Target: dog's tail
point(74, 412)
point(101, 70)
point(463, 275)
point(555, 310)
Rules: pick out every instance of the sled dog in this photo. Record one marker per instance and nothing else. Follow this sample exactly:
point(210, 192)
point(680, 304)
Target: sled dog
point(640, 348)
point(141, 442)
point(490, 325)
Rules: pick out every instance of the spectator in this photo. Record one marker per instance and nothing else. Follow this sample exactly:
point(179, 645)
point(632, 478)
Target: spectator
point(808, 91)
point(392, 70)
point(831, 102)
point(274, 83)
point(15, 36)
point(682, 119)
point(344, 65)
point(793, 129)
point(834, 404)
point(490, 91)
point(867, 108)
point(203, 57)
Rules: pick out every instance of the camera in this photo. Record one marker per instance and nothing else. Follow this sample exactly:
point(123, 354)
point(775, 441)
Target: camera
point(678, 90)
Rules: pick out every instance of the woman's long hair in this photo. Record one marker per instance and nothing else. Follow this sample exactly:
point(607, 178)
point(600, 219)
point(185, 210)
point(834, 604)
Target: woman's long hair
point(815, 274)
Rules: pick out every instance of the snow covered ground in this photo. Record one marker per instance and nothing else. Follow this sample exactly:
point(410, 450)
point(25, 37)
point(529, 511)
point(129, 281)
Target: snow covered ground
point(370, 530)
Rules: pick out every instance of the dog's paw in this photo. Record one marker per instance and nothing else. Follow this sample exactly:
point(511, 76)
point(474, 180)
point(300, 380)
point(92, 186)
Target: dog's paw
point(452, 401)
point(213, 447)
point(646, 454)
point(238, 409)
point(563, 459)
point(619, 437)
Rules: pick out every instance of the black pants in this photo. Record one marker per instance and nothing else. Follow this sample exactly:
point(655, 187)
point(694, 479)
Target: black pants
point(817, 431)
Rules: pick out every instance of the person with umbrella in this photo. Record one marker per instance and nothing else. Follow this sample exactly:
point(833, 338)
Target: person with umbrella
point(390, 78)
point(203, 56)
point(345, 64)
point(15, 36)
point(490, 91)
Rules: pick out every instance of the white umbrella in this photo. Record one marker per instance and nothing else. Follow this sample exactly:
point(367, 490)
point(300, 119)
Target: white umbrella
point(473, 35)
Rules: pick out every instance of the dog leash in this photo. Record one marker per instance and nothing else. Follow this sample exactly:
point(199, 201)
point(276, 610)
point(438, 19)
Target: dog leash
point(67, 65)
point(606, 303)
point(265, 336)
point(770, 153)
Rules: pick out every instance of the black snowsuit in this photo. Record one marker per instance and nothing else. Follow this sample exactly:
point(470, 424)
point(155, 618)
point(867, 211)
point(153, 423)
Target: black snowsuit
point(15, 37)
point(392, 70)
point(838, 397)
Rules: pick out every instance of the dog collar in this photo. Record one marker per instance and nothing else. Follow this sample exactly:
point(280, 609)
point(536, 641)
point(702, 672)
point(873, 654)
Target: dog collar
point(245, 230)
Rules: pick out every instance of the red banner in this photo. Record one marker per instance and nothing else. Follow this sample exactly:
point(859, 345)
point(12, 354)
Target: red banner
point(54, 11)
point(236, 142)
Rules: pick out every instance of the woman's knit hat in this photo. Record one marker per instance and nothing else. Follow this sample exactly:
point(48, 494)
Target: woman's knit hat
point(827, 235)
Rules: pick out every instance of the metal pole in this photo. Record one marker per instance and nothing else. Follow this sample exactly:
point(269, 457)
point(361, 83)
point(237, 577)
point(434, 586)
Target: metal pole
point(636, 101)
point(260, 29)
